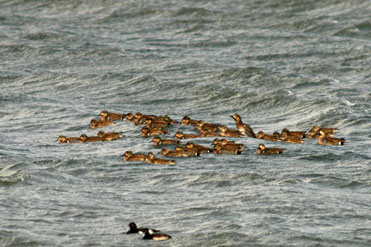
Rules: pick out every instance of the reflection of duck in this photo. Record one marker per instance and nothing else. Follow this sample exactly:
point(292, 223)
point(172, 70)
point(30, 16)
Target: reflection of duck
point(153, 160)
point(263, 150)
point(326, 140)
point(245, 129)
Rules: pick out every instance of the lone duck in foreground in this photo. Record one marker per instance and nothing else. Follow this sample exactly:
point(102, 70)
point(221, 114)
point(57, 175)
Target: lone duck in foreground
point(326, 140)
point(134, 229)
point(245, 129)
point(263, 150)
point(155, 235)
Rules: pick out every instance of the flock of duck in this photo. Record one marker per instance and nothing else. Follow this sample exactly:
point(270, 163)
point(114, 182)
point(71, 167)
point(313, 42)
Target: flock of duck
point(157, 126)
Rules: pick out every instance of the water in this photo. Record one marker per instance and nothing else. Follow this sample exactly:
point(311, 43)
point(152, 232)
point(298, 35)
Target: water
point(278, 64)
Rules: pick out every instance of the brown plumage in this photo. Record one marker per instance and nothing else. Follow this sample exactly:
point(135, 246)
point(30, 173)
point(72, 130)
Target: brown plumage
point(94, 124)
point(268, 151)
point(326, 140)
point(153, 160)
point(110, 136)
point(245, 129)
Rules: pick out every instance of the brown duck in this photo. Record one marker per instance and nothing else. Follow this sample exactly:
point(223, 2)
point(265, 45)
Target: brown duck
point(264, 150)
point(152, 132)
point(94, 124)
point(64, 139)
point(130, 156)
point(180, 135)
point(153, 160)
point(111, 116)
point(159, 141)
point(226, 132)
point(326, 140)
point(110, 136)
point(245, 129)
point(85, 138)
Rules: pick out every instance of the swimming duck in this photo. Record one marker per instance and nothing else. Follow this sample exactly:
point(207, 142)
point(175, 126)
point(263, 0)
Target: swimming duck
point(152, 132)
point(180, 135)
point(261, 135)
point(159, 141)
point(229, 144)
point(130, 116)
point(264, 150)
point(158, 124)
point(153, 160)
point(188, 121)
point(314, 132)
point(207, 133)
point(292, 139)
point(110, 136)
point(297, 134)
point(134, 229)
point(179, 153)
point(64, 139)
point(85, 138)
point(225, 131)
point(219, 149)
point(94, 124)
point(111, 116)
point(155, 236)
point(208, 126)
point(130, 156)
point(326, 140)
point(198, 148)
point(245, 129)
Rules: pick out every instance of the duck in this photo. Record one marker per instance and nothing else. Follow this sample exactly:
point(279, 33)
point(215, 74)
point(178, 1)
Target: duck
point(110, 136)
point(64, 139)
point(326, 140)
point(179, 153)
point(298, 134)
point(225, 131)
point(130, 156)
point(134, 229)
point(94, 124)
point(207, 133)
point(264, 150)
point(245, 129)
point(229, 144)
point(314, 132)
point(261, 135)
point(188, 121)
point(181, 135)
point(130, 117)
point(111, 116)
point(198, 148)
point(292, 139)
point(85, 138)
point(152, 132)
point(219, 141)
point(158, 124)
point(219, 149)
point(155, 236)
point(151, 159)
point(208, 126)
point(159, 141)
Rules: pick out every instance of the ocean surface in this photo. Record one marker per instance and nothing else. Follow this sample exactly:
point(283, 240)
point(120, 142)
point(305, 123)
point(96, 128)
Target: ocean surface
point(279, 64)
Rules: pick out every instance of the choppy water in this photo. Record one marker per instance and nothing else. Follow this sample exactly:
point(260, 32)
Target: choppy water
point(278, 64)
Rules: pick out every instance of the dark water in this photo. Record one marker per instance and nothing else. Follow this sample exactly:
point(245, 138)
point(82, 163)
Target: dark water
point(278, 64)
